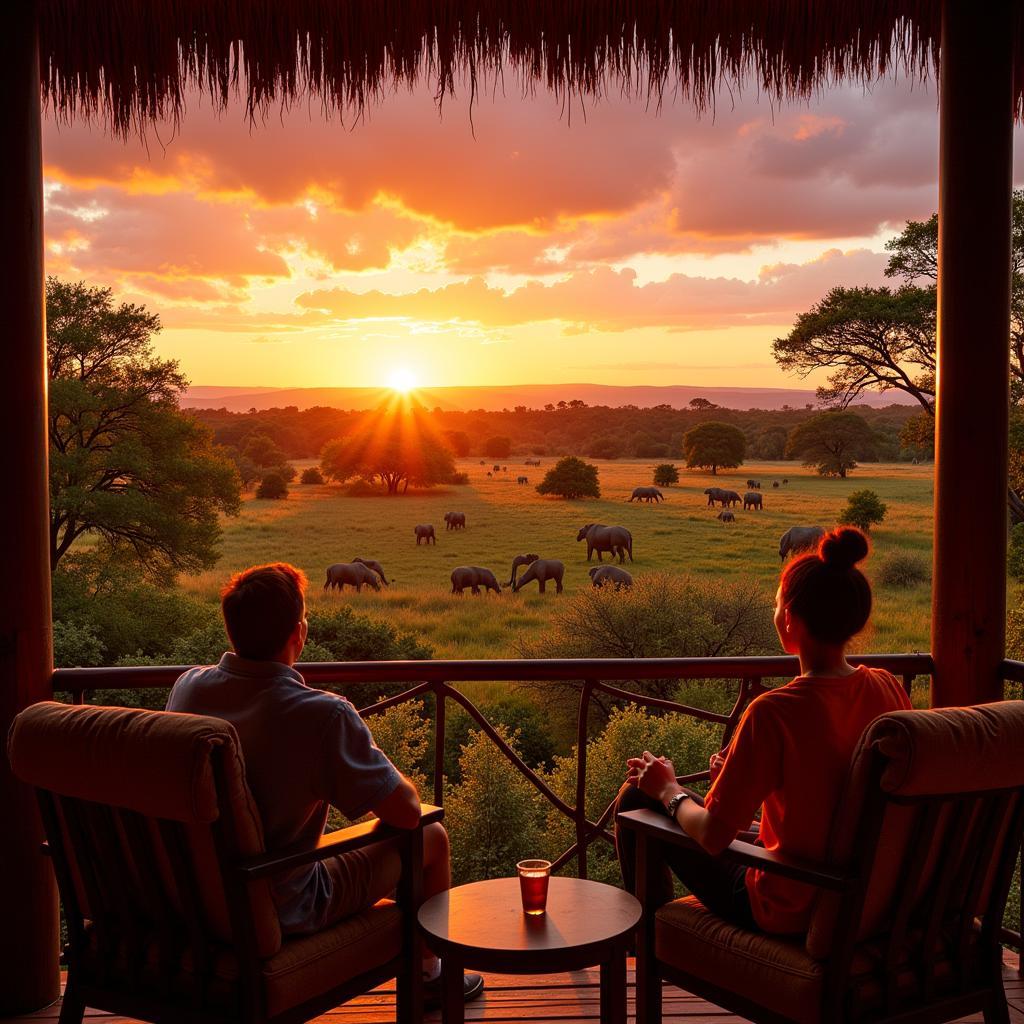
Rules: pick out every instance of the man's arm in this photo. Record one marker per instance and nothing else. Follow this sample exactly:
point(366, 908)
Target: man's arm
point(401, 807)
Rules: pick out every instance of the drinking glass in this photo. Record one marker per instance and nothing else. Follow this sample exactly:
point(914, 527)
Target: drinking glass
point(533, 884)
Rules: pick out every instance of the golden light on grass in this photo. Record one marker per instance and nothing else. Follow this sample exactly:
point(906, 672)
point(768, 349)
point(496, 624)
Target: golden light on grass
point(402, 379)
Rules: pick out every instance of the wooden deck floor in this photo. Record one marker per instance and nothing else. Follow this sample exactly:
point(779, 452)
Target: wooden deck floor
point(552, 997)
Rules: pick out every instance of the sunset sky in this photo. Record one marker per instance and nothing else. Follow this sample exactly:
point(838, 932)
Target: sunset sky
point(526, 244)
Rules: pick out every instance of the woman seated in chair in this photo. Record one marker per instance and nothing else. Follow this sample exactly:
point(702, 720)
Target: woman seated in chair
point(789, 757)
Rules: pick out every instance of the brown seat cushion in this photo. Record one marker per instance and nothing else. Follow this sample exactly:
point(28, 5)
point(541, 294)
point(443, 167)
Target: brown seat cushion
point(772, 971)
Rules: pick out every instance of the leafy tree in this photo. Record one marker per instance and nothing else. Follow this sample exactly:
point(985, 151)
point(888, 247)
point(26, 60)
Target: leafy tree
point(498, 447)
point(263, 450)
point(76, 645)
point(869, 338)
point(126, 465)
point(714, 445)
point(458, 441)
point(403, 733)
point(397, 448)
point(832, 442)
point(312, 475)
point(273, 485)
point(571, 478)
point(605, 448)
point(863, 508)
point(493, 815)
point(771, 443)
point(917, 435)
point(702, 405)
point(248, 471)
point(665, 475)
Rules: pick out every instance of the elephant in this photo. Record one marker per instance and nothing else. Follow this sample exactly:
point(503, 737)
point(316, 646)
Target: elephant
point(799, 538)
point(754, 485)
point(727, 516)
point(522, 479)
point(517, 562)
point(721, 494)
point(615, 539)
point(495, 469)
point(425, 534)
point(375, 566)
point(353, 574)
point(542, 570)
point(785, 480)
point(603, 574)
point(647, 494)
point(775, 483)
point(455, 520)
point(753, 499)
point(533, 462)
point(474, 577)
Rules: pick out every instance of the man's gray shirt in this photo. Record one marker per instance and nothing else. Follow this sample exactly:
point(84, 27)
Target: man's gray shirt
point(304, 749)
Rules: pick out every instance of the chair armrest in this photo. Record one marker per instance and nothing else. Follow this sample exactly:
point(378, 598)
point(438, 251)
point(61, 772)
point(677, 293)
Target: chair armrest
point(342, 840)
point(661, 829)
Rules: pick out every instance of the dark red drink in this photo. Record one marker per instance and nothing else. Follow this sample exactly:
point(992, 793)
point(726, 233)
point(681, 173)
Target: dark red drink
point(533, 884)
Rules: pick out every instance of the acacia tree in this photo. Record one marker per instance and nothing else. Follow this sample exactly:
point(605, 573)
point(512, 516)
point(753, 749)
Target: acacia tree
point(714, 445)
point(832, 442)
point(398, 447)
point(126, 465)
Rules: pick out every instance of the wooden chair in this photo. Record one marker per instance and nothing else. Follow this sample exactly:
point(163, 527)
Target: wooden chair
point(158, 850)
point(907, 921)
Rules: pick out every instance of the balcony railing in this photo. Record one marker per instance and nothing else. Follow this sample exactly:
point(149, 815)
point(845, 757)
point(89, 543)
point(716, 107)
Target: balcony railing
point(592, 676)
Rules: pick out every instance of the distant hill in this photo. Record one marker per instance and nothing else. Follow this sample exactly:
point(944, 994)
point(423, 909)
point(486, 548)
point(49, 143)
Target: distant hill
point(534, 396)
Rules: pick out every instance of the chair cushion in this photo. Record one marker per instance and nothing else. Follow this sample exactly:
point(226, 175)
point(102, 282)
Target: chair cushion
point(769, 970)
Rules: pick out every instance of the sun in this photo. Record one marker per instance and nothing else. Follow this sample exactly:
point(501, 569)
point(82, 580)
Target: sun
point(402, 379)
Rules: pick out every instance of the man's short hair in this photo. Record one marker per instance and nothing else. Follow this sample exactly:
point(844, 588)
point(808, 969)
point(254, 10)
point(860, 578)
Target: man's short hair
point(261, 607)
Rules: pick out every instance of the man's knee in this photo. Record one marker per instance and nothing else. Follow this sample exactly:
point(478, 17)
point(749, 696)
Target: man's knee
point(436, 848)
point(631, 798)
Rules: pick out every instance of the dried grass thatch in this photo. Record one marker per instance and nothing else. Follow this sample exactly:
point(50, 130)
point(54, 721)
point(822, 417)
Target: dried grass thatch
point(132, 62)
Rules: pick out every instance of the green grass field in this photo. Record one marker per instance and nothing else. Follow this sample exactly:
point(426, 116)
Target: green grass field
point(319, 524)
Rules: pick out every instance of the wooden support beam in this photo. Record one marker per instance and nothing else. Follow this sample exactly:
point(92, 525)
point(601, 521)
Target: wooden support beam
point(29, 977)
point(975, 190)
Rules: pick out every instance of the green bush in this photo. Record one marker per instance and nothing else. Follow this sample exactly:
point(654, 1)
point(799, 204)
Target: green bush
point(1015, 553)
point(662, 615)
point(629, 732)
point(571, 478)
point(665, 475)
point(403, 733)
point(76, 645)
point(518, 715)
point(863, 508)
point(273, 486)
point(312, 475)
point(903, 569)
point(494, 816)
point(459, 479)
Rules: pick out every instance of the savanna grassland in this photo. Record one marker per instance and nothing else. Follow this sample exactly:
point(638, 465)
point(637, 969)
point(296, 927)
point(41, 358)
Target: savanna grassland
point(320, 524)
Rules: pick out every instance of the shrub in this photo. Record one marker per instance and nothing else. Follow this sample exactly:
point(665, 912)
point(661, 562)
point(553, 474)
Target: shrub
point(312, 475)
point(273, 485)
point(661, 615)
point(459, 479)
point(494, 816)
point(571, 478)
point(516, 713)
point(1015, 553)
point(665, 475)
point(862, 509)
point(362, 488)
point(629, 731)
point(76, 645)
point(605, 448)
point(903, 569)
point(403, 733)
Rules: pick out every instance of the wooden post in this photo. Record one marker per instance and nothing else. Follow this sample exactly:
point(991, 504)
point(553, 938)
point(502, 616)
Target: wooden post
point(975, 191)
point(28, 937)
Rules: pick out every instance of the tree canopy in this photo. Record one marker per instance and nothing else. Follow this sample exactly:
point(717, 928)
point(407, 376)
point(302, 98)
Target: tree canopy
point(571, 478)
point(870, 338)
point(665, 474)
point(832, 442)
point(126, 464)
point(396, 446)
point(714, 445)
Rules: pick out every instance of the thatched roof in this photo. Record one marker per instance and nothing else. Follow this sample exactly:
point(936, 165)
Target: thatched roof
point(129, 62)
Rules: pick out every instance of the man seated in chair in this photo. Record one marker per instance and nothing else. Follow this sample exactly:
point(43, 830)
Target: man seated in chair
point(305, 750)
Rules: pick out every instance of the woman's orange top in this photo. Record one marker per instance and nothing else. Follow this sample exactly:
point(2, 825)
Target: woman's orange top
point(791, 756)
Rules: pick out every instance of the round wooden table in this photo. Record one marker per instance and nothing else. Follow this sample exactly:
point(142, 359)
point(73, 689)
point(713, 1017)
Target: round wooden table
point(482, 927)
